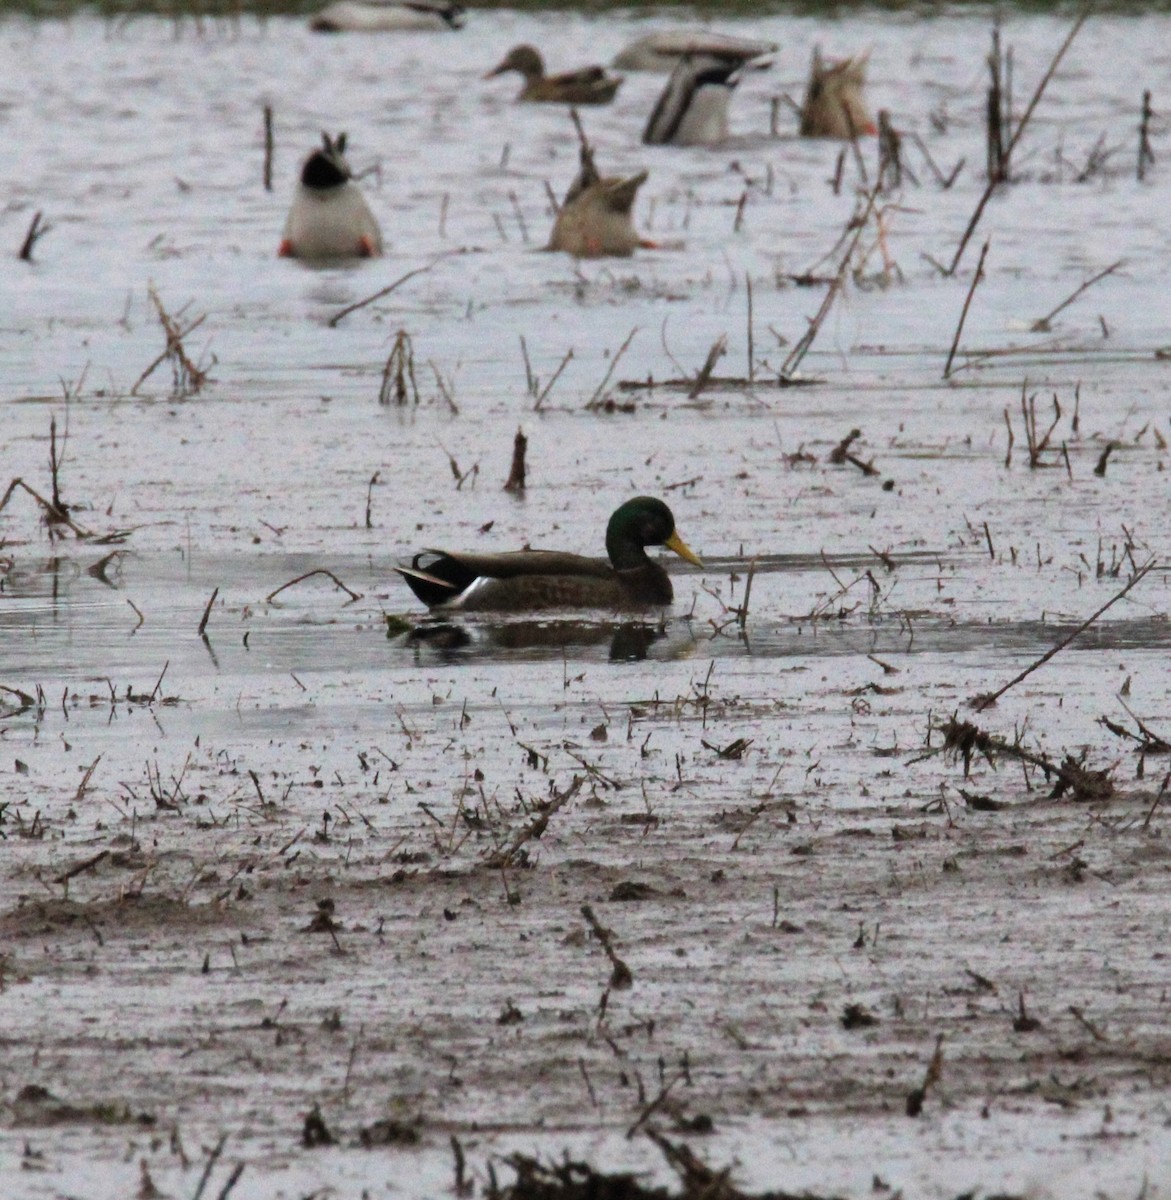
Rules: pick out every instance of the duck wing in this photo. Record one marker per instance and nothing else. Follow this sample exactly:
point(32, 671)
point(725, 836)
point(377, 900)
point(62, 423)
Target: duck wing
point(440, 577)
point(585, 77)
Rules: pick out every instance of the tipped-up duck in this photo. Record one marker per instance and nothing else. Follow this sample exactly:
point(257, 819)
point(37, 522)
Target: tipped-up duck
point(833, 106)
point(693, 108)
point(329, 217)
point(594, 220)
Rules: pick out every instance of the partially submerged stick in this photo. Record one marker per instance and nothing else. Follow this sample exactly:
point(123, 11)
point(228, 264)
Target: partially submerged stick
point(979, 703)
point(36, 231)
point(964, 311)
point(309, 575)
point(516, 475)
point(995, 181)
point(345, 312)
point(1041, 325)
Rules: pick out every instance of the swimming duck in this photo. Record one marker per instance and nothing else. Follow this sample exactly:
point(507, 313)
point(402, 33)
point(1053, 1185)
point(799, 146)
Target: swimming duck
point(833, 106)
point(662, 51)
point(534, 580)
point(590, 85)
point(693, 108)
point(329, 217)
point(594, 219)
point(374, 16)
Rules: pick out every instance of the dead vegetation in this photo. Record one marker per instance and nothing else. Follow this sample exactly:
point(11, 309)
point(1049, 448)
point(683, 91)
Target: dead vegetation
point(188, 377)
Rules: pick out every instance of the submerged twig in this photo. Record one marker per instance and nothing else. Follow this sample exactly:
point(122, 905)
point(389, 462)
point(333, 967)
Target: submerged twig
point(955, 341)
point(390, 287)
point(986, 701)
point(309, 575)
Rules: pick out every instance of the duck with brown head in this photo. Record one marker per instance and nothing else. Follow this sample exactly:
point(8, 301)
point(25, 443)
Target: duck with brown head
point(588, 85)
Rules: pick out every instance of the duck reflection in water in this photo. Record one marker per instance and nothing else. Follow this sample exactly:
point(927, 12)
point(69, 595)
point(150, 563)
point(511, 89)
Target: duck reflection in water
point(629, 640)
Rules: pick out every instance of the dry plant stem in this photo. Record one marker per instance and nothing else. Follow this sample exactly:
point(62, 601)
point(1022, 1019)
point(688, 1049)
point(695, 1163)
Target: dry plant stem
point(621, 976)
point(719, 348)
point(212, 1159)
point(802, 347)
point(55, 515)
point(535, 828)
point(82, 867)
point(1145, 153)
point(955, 341)
point(994, 182)
point(596, 397)
point(516, 475)
point(748, 290)
point(189, 377)
point(648, 1110)
point(309, 575)
point(553, 379)
point(982, 702)
point(207, 612)
point(36, 231)
point(268, 147)
point(345, 312)
point(232, 1180)
point(1041, 325)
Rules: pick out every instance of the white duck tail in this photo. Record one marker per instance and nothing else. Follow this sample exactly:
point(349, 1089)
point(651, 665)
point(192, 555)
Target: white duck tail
point(693, 109)
point(329, 217)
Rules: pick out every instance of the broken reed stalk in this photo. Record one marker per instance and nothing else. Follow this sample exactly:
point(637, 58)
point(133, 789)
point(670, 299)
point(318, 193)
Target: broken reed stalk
point(718, 350)
point(55, 466)
point(790, 365)
point(890, 157)
point(1041, 325)
point(955, 341)
point(553, 379)
point(309, 575)
point(207, 613)
point(345, 312)
point(621, 976)
point(1145, 154)
point(980, 703)
point(188, 378)
point(748, 289)
point(596, 397)
point(399, 371)
point(36, 231)
point(53, 515)
point(535, 828)
point(965, 740)
point(530, 380)
point(370, 498)
point(742, 612)
point(520, 217)
point(268, 147)
point(996, 119)
point(993, 182)
point(516, 474)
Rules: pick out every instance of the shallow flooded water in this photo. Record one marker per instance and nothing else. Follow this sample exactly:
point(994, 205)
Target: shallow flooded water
point(748, 789)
